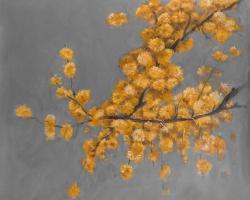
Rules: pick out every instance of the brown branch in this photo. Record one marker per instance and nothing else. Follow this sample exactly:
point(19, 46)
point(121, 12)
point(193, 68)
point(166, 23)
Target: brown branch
point(207, 18)
point(78, 103)
point(220, 108)
point(103, 138)
point(205, 83)
point(140, 102)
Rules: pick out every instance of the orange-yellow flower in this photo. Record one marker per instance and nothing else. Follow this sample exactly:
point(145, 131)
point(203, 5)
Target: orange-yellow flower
point(56, 80)
point(220, 56)
point(66, 53)
point(166, 144)
point(74, 191)
point(117, 19)
point(50, 127)
point(126, 172)
point(66, 131)
point(203, 166)
point(89, 165)
point(235, 51)
point(69, 70)
point(23, 111)
point(156, 44)
point(165, 171)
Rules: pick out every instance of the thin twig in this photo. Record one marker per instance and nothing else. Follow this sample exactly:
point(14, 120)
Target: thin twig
point(202, 22)
point(220, 108)
point(140, 102)
point(78, 103)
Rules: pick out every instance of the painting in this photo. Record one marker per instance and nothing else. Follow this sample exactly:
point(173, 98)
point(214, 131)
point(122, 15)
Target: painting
point(124, 100)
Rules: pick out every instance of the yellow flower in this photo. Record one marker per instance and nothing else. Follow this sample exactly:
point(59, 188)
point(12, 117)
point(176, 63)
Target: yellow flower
point(66, 131)
point(164, 18)
point(76, 111)
point(225, 88)
point(153, 155)
point(165, 171)
point(56, 80)
point(203, 166)
point(167, 111)
point(112, 143)
point(145, 59)
point(220, 56)
point(74, 191)
point(147, 34)
point(185, 46)
point(204, 70)
point(166, 144)
point(179, 17)
point(83, 96)
point(117, 19)
point(171, 83)
point(138, 135)
point(159, 84)
point(156, 44)
point(23, 111)
point(222, 35)
point(89, 147)
point(141, 81)
point(136, 152)
point(234, 51)
point(69, 70)
point(126, 172)
point(144, 12)
point(89, 165)
point(62, 92)
point(66, 53)
point(165, 56)
point(206, 4)
point(209, 27)
point(50, 127)
point(156, 72)
point(165, 30)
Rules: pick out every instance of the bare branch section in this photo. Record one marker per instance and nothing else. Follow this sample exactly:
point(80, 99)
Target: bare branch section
point(220, 108)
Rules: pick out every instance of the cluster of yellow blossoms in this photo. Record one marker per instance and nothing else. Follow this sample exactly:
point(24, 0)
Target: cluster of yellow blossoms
point(220, 56)
point(144, 109)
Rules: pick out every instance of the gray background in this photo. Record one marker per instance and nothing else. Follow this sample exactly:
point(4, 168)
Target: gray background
point(31, 32)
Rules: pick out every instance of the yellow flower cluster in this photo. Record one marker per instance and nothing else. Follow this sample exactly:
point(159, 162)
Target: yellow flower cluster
point(126, 171)
point(210, 144)
point(69, 69)
point(220, 56)
point(203, 166)
point(221, 27)
point(50, 127)
point(117, 19)
point(23, 111)
point(74, 191)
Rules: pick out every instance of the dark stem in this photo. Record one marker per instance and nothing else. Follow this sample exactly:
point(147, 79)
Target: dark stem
point(221, 107)
point(202, 22)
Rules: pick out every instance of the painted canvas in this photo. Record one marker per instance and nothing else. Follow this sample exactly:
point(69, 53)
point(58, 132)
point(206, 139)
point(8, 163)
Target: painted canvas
point(124, 100)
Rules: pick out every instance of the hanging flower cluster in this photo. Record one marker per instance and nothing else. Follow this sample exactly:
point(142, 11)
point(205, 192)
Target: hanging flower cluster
point(144, 109)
